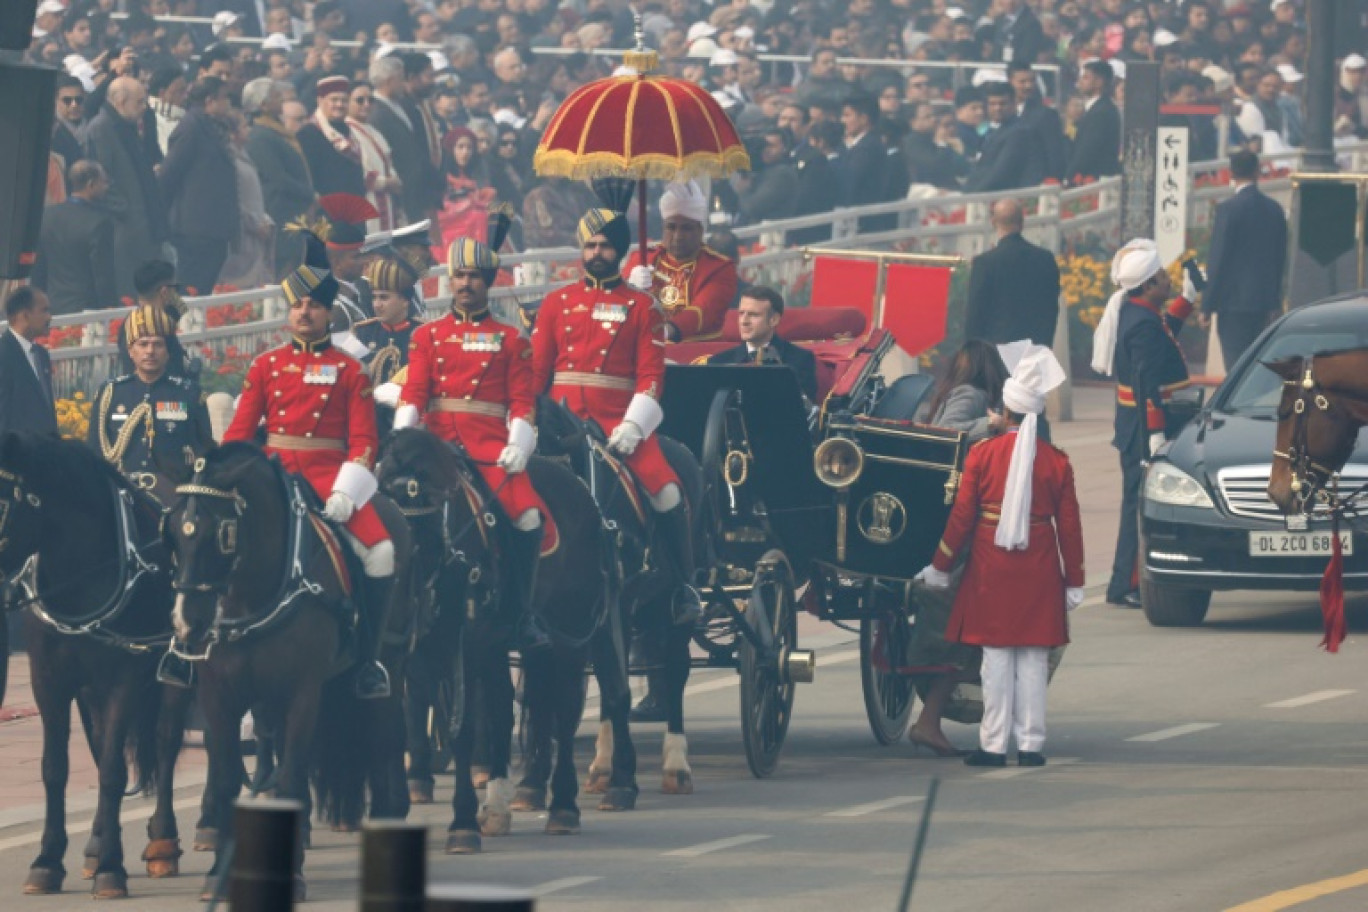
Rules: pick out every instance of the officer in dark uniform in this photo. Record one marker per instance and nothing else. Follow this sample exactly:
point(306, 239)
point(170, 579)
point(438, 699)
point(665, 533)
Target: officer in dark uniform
point(151, 423)
point(1149, 370)
point(412, 245)
point(386, 336)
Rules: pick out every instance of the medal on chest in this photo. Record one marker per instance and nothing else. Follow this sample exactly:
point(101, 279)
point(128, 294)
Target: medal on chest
point(320, 374)
point(675, 292)
point(610, 314)
point(482, 342)
point(172, 411)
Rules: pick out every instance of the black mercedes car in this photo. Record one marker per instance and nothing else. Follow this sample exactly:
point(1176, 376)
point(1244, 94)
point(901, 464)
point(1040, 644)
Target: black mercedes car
point(1206, 522)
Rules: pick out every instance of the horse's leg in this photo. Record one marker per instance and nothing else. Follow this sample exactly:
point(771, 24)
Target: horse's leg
point(90, 706)
point(296, 744)
point(615, 758)
point(479, 748)
point(463, 836)
point(419, 698)
point(111, 880)
point(54, 697)
point(222, 731)
point(496, 817)
point(678, 776)
point(163, 841)
point(385, 772)
point(539, 727)
point(566, 690)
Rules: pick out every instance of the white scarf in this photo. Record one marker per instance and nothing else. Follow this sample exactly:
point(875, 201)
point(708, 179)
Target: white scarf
point(342, 143)
point(1035, 372)
point(1133, 265)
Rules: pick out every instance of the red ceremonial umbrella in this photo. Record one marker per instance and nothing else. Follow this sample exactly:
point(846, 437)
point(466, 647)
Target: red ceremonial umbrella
point(640, 125)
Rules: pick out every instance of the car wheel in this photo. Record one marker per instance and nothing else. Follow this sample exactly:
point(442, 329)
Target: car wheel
point(1168, 607)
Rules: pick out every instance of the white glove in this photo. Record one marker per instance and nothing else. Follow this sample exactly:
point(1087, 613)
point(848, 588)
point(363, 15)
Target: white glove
point(405, 416)
point(641, 278)
point(933, 578)
point(522, 441)
point(626, 437)
point(388, 394)
point(1073, 597)
point(1189, 289)
point(339, 507)
point(513, 459)
point(1156, 440)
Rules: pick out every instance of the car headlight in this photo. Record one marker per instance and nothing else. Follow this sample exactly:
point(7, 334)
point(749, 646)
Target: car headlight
point(838, 462)
point(1167, 484)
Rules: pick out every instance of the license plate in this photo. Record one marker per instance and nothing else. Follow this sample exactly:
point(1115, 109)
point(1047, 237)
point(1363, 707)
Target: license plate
point(1297, 544)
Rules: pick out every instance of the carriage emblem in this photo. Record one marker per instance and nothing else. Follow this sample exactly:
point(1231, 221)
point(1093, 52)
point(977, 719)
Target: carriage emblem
point(882, 518)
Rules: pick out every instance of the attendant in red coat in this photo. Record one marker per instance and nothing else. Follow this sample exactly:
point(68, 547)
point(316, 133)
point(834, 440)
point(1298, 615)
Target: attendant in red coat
point(316, 405)
point(694, 284)
point(470, 381)
point(1017, 512)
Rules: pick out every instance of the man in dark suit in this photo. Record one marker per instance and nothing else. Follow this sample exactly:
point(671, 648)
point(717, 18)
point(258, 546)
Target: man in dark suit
point(285, 183)
point(818, 188)
point(1018, 32)
point(1246, 261)
point(758, 317)
point(863, 165)
point(1097, 146)
point(1013, 288)
point(392, 115)
point(76, 248)
point(26, 402)
point(1042, 120)
point(1011, 157)
point(69, 121)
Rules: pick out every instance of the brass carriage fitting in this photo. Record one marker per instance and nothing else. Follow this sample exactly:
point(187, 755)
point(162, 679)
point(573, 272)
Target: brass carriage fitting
point(799, 666)
point(838, 462)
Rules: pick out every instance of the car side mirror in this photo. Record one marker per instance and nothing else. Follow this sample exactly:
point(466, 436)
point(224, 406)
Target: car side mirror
point(1187, 403)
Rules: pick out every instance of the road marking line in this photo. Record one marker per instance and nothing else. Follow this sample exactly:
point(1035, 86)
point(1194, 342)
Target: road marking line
point(126, 815)
point(836, 658)
point(1176, 731)
point(732, 680)
point(1013, 772)
point(1303, 894)
point(716, 845)
point(860, 810)
point(1308, 699)
point(564, 883)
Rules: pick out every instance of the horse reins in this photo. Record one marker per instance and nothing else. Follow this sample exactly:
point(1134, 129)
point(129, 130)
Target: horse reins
point(1308, 476)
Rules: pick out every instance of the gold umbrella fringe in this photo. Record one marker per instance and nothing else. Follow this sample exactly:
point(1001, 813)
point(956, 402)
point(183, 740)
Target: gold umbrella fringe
point(651, 166)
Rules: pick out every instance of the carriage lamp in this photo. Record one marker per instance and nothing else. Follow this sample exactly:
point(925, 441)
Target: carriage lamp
point(838, 462)
point(1168, 484)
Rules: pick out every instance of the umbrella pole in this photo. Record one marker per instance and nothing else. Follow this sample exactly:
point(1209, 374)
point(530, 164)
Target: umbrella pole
point(641, 219)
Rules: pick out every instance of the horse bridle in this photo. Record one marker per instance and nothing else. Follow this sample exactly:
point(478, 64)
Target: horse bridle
point(226, 535)
point(1309, 477)
point(14, 495)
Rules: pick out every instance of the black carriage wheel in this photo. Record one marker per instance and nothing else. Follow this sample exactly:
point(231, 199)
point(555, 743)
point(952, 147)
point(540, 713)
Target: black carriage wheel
point(888, 696)
point(766, 693)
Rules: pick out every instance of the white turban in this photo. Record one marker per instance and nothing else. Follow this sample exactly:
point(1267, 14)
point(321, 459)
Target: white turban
point(1134, 265)
point(686, 200)
point(1035, 371)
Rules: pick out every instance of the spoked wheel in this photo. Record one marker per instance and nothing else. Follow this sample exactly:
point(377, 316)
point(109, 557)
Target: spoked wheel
point(888, 696)
point(766, 686)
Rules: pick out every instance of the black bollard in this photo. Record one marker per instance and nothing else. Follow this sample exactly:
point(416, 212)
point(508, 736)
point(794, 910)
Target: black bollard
point(479, 898)
point(393, 867)
point(265, 838)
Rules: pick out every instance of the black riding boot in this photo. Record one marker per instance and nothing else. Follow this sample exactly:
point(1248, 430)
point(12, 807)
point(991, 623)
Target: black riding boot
point(521, 556)
point(372, 680)
point(676, 541)
point(175, 671)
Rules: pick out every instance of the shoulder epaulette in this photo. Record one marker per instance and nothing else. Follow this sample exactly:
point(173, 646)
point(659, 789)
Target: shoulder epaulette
point(360, 323)
point(720, 256)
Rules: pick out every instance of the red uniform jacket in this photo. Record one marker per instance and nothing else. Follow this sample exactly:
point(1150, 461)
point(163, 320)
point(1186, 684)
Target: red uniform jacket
point(695, 295)
point(596, 345)
point(1013, 598)
point(469, 376)
point(316, 404)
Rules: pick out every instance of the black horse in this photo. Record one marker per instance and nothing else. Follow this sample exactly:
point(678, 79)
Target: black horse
point(261, 589)
point(97, 623)
point(646, 588)
point(458, 538)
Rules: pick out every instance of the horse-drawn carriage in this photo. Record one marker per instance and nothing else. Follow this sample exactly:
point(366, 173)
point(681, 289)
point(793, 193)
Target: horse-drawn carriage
point(831, 511)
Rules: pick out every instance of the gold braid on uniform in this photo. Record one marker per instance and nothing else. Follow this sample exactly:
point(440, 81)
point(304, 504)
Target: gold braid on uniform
point(114, 452)
point(384, 363)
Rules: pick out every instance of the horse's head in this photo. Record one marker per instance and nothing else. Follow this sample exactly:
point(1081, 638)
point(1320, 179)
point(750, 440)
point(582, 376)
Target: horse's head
point(418, 471)
point(1317, 429)
point(561, 433)
point(19, 502)
point(205, 530)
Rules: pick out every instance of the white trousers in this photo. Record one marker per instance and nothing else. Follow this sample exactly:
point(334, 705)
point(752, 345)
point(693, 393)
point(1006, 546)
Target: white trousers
point(1014, 683)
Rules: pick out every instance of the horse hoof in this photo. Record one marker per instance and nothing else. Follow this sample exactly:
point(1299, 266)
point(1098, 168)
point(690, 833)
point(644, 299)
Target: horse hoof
point(597, 783)
point(206, 840)
point(479, 776)
point(495, 823)
point(563, 823)
point(420, 792)
point(162, 857)
point(463, 842)
point(677, 782)
point(110, 885)
point(527, 798)
point(619, 798)
point(43, 881)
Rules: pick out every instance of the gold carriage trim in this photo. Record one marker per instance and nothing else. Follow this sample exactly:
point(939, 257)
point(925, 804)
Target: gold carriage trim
point(295, 442)
point(600, 381)
point(650, 165)
point(468, 407)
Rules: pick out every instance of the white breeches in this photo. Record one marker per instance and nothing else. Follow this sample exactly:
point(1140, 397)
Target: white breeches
point(668, 498)
point(530, 519)
point(1014, 684)
point(377, 561)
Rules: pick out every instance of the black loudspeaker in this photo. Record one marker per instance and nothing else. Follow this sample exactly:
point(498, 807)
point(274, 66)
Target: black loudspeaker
point(16, 24)
point(27, 97)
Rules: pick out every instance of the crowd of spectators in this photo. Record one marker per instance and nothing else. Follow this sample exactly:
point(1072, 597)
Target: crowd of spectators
point(211, 138)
